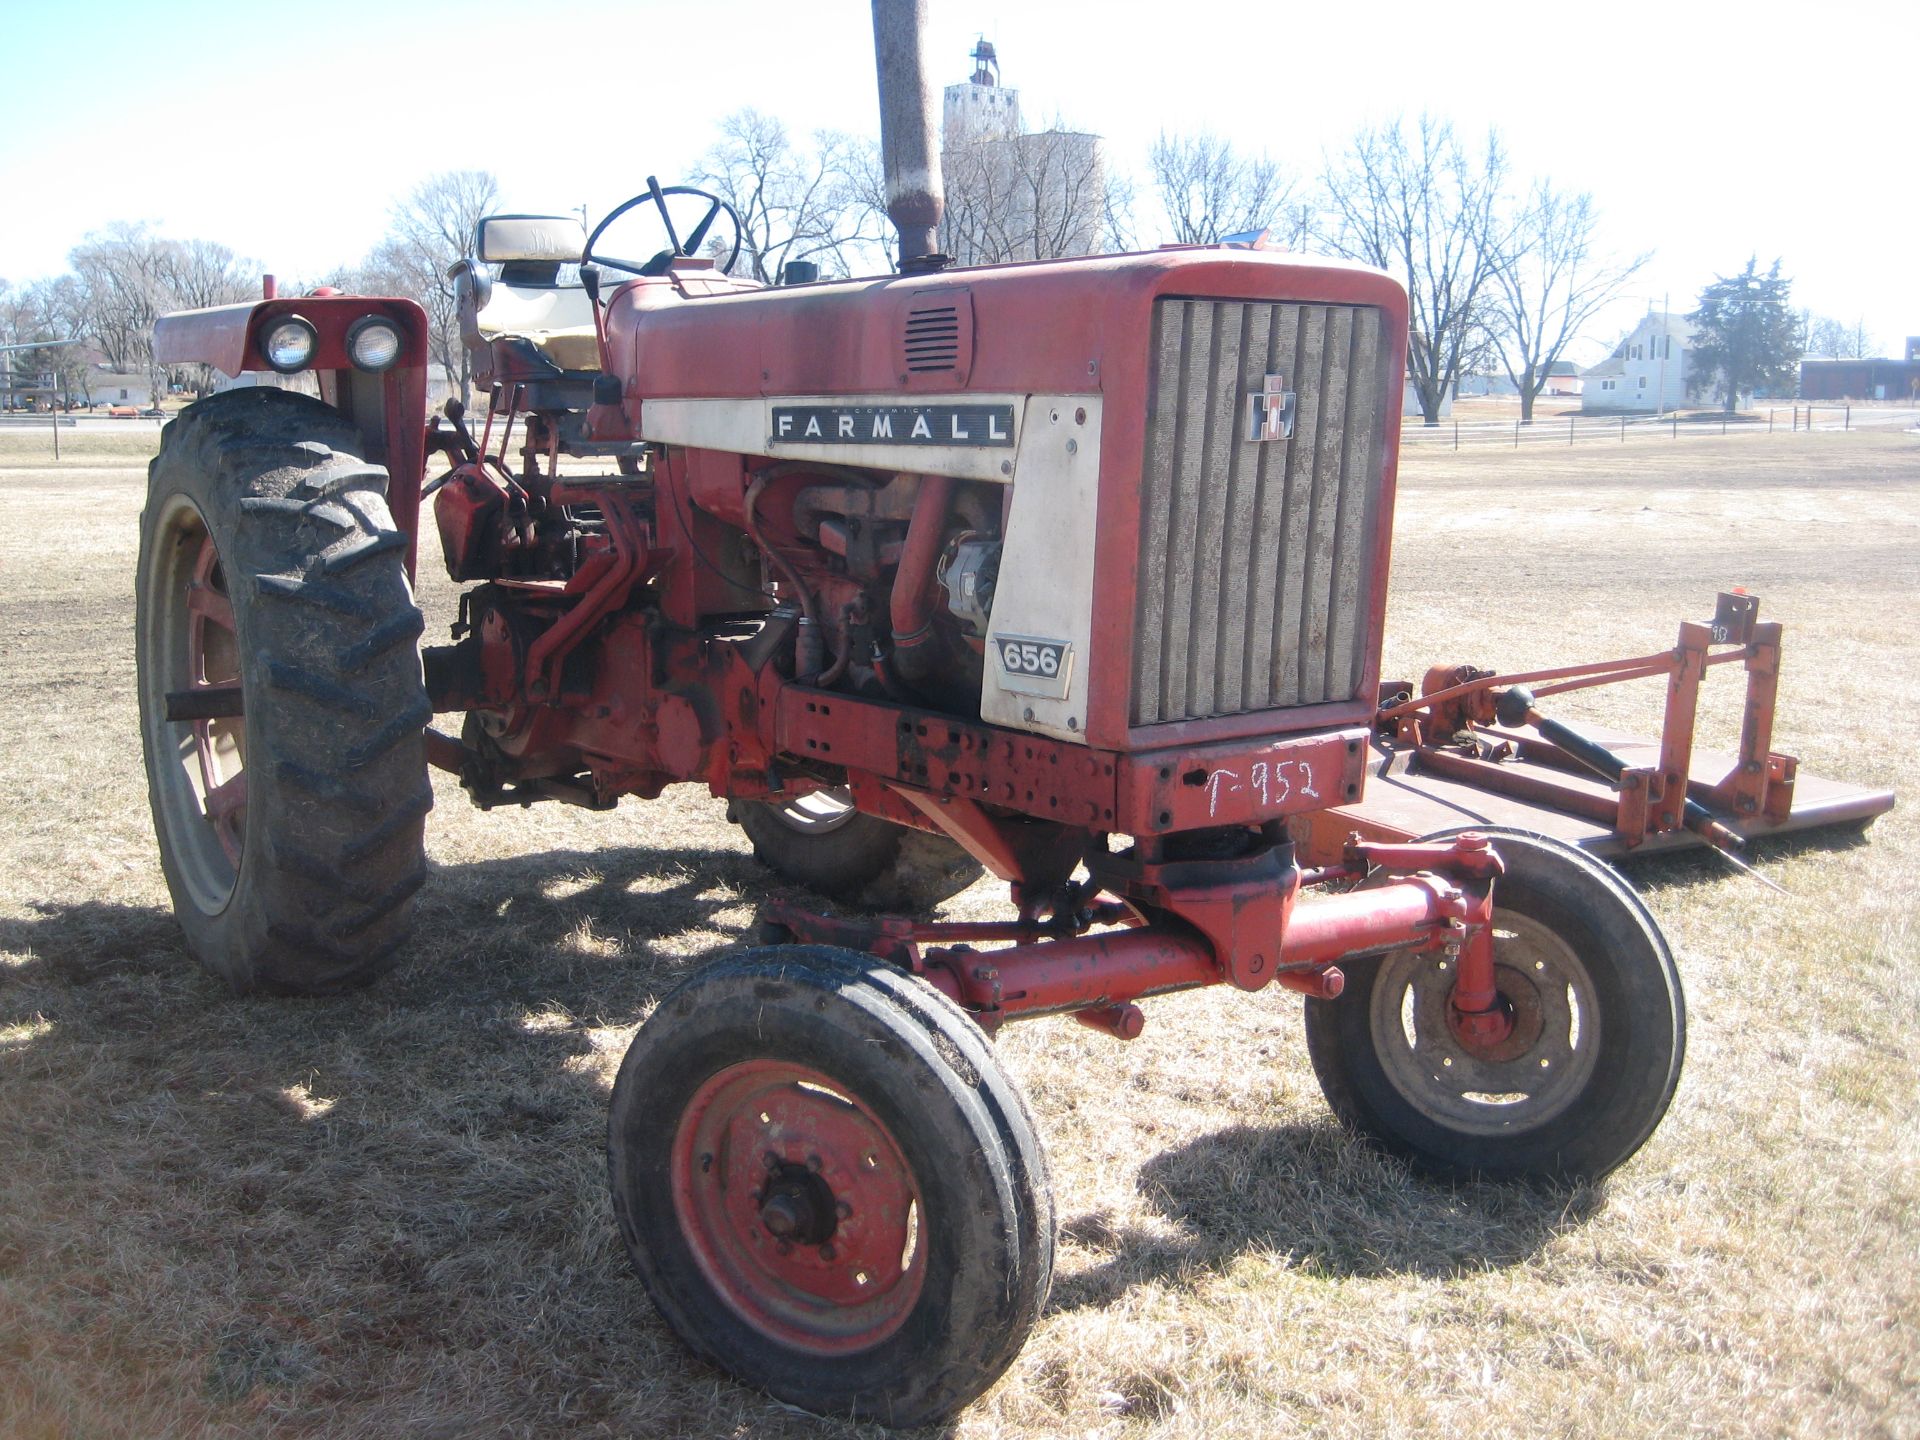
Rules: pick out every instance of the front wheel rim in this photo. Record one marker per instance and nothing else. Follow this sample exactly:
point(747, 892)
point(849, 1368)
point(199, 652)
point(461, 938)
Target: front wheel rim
point(1522, 1083)
point(799, 1207)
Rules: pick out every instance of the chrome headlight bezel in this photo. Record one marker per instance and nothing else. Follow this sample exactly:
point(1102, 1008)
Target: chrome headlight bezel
point(299, 343)
point(372, 325)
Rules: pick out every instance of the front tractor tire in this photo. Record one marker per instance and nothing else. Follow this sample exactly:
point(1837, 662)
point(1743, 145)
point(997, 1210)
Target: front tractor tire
point(290, 834)
point(829, 1186)
point(1598, 1033)
point(822, 842)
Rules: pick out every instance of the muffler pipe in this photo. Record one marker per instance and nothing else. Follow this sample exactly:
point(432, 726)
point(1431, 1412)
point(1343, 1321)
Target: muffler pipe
point(909, 153)
point(911, 610)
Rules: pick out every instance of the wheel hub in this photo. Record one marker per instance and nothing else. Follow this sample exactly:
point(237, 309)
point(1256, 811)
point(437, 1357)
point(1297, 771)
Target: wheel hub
point(1507, 1031)
point(798, 1207)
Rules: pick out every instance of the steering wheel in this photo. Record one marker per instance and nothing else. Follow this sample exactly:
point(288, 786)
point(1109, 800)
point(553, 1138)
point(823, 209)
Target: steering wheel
point(678, 247)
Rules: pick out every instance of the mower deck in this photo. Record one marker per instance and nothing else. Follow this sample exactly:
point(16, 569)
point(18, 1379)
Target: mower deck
point(1416, 791)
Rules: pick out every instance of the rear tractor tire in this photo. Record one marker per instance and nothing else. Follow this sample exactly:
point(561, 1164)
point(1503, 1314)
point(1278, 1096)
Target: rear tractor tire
point(822, 842)
point(829, 1187)
point(290, 834)
point(1599, 1032)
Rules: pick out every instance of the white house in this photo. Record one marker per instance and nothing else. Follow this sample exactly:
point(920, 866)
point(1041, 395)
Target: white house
point(1647, 372)
point(109, 387)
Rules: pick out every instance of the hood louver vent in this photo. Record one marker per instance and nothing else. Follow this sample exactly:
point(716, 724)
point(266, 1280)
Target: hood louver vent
point(936, 339)
point(933, 337)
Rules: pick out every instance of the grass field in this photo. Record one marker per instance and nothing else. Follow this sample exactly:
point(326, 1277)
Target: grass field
point(386, 1215)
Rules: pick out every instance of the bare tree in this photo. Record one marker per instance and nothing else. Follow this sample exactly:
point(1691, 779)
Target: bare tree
point(1830, 337)
point(1210, 190)
point(59, 308)
point(432, 230)
point(1119, 228)
point(793, 204)
point(30, 315)
point(1421, 207)
point(1037, 195)
point(124, 278)
point(197, 275)
point(1550, 285)
point(118, 269)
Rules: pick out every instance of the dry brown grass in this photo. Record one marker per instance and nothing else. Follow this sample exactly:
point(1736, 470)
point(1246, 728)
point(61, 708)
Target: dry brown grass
point(386, 1215)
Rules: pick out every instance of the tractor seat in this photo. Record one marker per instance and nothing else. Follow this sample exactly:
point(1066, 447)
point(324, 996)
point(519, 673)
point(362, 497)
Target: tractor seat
point(525, 300)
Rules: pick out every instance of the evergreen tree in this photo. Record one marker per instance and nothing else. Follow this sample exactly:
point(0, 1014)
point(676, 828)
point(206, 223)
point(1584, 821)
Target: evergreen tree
point(1747, 336)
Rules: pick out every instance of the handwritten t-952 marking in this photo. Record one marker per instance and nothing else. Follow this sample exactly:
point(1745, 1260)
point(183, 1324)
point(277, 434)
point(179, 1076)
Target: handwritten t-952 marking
point(1272, 782)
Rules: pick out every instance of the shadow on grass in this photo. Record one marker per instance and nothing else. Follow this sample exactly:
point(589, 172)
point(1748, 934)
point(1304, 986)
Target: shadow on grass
point(1321, 1200)
point(425, 1155)
point(1702, 865)
point(632, 919)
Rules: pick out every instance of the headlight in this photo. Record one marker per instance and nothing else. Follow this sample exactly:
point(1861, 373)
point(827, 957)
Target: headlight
point(289, 344)
point(373, 343)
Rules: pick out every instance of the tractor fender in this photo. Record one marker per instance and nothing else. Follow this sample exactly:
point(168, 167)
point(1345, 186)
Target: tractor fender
point(388, 407)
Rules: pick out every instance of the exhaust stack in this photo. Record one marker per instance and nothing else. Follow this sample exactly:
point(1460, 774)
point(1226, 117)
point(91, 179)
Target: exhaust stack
point(909, 154)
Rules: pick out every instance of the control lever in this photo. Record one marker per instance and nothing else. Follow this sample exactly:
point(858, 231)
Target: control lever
point(590, 282)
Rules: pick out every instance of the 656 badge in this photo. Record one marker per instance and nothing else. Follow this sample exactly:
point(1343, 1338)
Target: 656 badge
point(1031, 665)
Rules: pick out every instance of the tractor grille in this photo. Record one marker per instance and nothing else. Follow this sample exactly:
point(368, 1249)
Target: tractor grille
point(1254, 556)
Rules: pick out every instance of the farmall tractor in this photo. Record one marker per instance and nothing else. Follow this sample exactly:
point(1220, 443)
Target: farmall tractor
point(1074, 571)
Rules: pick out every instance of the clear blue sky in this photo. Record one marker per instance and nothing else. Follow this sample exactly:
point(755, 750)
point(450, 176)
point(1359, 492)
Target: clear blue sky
point(1706, 132)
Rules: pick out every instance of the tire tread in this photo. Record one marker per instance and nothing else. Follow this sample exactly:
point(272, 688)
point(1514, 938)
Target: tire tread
point(336, 703)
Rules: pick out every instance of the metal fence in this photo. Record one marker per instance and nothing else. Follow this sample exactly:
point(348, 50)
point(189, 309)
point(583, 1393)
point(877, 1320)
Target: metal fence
point(1578, 429)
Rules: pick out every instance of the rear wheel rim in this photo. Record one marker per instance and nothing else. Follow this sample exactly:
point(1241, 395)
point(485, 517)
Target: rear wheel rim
point(202, 774)
point(799, 1207)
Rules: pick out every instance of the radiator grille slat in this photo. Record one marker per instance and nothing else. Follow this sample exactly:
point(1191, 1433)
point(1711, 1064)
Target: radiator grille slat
point(1190, 455)
point(1347, 635)
point(1269, 527)
point(1228, 641)
point(1253, 582)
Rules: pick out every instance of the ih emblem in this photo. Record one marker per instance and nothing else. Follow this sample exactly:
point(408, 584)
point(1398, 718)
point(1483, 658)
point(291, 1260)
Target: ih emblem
point(1270, 410)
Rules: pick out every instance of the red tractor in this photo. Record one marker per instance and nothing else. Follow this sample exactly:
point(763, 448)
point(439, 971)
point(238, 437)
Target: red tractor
point(1074, 571)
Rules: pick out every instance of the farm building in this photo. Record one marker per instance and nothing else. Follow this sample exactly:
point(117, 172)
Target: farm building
point(110, 387)
point(1879, 379)
point(1563, 379)
point(1647, 372)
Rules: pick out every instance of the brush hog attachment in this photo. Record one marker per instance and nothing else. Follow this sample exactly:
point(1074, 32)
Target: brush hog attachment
point(1478, 748)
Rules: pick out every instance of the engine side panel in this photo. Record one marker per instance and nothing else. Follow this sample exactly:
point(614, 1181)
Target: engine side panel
point(1041, 635)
